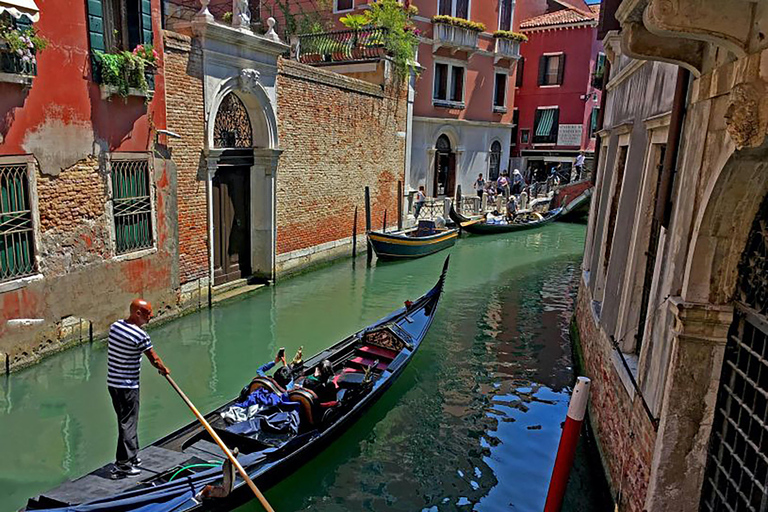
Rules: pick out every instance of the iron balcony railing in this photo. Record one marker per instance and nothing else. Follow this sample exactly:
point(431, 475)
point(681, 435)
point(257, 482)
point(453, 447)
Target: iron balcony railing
point(12, 63)
point(341, 46)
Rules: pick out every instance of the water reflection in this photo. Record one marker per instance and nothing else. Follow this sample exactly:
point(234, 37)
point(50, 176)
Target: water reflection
point(473, 422)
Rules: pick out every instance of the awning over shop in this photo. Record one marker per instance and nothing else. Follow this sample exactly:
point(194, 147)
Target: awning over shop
point(19, 8)
point(544, 127)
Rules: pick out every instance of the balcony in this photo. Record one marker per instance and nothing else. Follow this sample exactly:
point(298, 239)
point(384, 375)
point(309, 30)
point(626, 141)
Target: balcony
point(506, 49)
point(14, 69)
point(342, 46)
point(455, 37)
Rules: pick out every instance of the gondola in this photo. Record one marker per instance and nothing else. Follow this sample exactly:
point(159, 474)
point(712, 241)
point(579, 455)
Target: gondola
point(479, 226)
point(577, 209)
point(412, 243)
point(176, 469)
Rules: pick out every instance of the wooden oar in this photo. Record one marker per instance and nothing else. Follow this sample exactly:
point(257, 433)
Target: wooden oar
point(223, 447)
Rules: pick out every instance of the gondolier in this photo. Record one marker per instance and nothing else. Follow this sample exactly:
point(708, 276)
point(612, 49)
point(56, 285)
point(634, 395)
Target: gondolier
point(127, 342)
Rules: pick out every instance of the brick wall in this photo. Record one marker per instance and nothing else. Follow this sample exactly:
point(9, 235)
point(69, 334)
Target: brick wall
point(339, 135)
point(186, 117)
point(624, 432)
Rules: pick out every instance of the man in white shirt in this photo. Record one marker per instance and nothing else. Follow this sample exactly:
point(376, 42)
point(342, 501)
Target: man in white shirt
point(579, 165)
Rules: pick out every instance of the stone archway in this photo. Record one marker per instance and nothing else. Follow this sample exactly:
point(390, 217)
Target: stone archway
point(242, 163)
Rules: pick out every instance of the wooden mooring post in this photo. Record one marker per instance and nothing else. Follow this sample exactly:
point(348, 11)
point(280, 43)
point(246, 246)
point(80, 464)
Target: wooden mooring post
point(369, 255)
point(399, 205)
point(354, 235)
point(384, 223)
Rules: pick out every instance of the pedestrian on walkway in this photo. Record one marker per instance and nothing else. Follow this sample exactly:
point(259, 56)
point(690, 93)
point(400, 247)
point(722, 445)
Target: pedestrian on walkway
point(126, 343)
point(502, 185)
point(420, 200)
point(579, 165)
point(480, 186)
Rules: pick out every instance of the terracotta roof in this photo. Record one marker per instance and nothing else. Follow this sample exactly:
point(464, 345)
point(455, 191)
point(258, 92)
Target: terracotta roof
point(561, 17)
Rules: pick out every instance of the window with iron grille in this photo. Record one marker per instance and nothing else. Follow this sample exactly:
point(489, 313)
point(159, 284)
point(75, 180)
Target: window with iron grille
point(132, 205)
point(736, 476)
point(17, 247)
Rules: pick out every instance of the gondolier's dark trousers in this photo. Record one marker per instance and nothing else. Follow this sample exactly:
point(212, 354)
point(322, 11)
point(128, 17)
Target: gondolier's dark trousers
point(126, 404)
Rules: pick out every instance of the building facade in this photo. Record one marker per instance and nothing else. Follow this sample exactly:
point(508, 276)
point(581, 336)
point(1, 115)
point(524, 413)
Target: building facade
point(558, 93)
point(671, 315)
point(87, 209)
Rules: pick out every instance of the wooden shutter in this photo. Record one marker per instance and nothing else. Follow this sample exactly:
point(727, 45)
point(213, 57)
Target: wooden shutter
point(542, 69)
point(145, 21)
point(555, 125)
point(519, 74)
point(96, 25)
point(561, 69)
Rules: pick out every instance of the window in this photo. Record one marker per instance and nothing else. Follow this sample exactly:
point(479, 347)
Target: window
point(515, 122)
point(506, 9)
point(551, 69)
point(343, 5)
point(519, 74)
point(545, 125)
point(500, 93)
point(621, 164)
point(494, 160)
point(119, 24)
point(132, 205)
point(593, 122)
point(17, 248)
point(449, 84)
point(525, 136)
point(457, 8)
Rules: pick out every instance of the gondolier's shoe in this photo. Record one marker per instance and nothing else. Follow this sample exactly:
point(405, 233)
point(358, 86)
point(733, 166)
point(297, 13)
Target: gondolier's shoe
point(124, 471)
point(136, 462)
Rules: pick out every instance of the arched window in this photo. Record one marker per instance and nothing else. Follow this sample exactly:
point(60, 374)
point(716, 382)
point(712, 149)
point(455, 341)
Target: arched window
point(232, 127)
point(494, 160)
point(443, 144)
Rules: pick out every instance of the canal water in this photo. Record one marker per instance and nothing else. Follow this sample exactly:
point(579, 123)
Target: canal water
point(472, 424)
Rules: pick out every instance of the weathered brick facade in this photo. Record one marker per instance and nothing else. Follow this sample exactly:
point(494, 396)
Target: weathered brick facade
point(186, 117)
point(623, 430)
point(338, 135)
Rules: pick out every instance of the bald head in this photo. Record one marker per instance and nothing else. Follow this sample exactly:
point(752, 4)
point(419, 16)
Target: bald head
point(141, 312)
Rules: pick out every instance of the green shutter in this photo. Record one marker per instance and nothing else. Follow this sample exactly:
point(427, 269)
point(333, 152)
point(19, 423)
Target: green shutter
point(96, 25)
point(145, 18)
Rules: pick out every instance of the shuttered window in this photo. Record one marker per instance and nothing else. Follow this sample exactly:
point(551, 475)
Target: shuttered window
point(457, 8)
point(519, 73)
point(505, 17)
point(457, 83)
point(551, 69)
point(448, 86)
point(17, 248)
point(441, 82)
point(500, 92)
point(131, 205)
point(119, 24)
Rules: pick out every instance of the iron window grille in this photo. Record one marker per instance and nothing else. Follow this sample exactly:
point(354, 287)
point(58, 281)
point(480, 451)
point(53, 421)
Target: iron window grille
point(17, 247)
point(132, 205)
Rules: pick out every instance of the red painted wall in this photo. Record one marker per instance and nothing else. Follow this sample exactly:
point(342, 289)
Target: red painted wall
point(64, 91)
point(581, 47)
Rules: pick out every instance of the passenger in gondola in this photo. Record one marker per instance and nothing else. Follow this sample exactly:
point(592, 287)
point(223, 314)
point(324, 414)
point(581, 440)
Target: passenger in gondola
point(321, 382)
point(511, 209)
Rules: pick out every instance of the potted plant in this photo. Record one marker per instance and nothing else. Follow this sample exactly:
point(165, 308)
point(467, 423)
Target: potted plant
point(19, 48)
point(128, 72)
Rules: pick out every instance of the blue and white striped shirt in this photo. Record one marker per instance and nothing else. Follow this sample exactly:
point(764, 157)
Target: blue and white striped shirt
point(124, 348)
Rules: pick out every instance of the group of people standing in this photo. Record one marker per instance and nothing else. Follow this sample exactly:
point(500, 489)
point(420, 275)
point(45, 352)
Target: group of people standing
point(504, 185)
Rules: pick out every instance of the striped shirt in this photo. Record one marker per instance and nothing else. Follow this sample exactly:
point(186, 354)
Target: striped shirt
point(124, 348)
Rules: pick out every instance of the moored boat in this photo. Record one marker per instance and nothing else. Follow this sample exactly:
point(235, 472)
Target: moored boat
point(179, 466)
point(480, 226)
point(412, 243)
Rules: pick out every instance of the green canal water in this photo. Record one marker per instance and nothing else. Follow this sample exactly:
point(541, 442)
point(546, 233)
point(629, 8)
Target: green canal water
point(472, 424)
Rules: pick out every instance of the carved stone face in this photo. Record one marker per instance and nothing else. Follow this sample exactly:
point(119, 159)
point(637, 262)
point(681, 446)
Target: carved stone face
point(743, 117)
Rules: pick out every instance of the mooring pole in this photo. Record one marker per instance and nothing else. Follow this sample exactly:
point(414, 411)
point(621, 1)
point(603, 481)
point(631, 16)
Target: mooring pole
point(354, 235)
point(384, 227)
point(566, 451)
point(369, 255)
point(457, 199)
point(399, 205)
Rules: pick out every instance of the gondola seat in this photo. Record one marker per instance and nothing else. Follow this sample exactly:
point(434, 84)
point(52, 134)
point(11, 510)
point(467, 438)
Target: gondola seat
point(265, 382)
point(309, 406)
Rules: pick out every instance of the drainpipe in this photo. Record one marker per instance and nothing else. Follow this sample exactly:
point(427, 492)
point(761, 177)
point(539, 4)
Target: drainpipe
point(663, 210)
point(600, 118)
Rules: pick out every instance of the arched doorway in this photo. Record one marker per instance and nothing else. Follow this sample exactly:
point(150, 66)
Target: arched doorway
point(494, 161)
point(737, 461)
point(231, 201)
point(445, 167)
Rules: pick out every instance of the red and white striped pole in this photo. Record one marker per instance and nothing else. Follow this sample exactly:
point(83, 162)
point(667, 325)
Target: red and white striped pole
point(567, 449)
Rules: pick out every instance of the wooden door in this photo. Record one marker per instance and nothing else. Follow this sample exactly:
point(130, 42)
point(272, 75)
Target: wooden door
point(231, 225)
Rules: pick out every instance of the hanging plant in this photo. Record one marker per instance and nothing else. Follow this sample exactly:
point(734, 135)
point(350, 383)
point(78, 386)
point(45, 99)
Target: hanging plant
point(512, 36)
point(23, 42)
point(127, 70)
point(401, 36)
point(459, 22)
